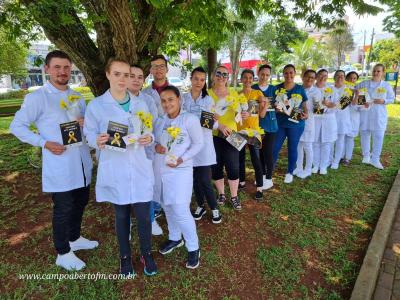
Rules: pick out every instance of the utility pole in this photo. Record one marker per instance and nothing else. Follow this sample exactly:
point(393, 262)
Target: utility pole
point(363, 57)
point(370, 50)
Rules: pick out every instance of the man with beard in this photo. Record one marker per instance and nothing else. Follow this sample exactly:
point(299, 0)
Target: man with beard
point(66, 172)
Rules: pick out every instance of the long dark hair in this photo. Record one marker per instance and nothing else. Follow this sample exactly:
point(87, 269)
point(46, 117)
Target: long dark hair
point(204, 89)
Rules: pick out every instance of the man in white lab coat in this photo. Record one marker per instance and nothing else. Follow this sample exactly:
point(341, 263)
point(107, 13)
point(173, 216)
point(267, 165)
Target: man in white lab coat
point(66, 172)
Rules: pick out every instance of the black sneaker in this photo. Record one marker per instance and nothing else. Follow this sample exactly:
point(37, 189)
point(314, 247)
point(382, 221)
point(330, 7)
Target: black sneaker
point(242, 185)
point(221, 199)
point(193, 259)
point(199, 213)
point(216, 216)
point(236, 203)
point(149, 266)
point(169, 246)
point(126, 267)
point(259, 196)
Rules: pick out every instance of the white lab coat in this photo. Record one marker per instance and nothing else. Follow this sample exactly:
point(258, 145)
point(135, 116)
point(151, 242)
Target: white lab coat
point(60, 173)
point(355, 120)
point(174, 185)
point(313, 94)
point(122, 177)
point(156, 97)
point(376, 117)
point(342, 115)
point(206, 157)
point(325, 124)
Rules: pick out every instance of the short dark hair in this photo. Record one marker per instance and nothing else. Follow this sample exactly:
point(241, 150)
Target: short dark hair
point(247, 71)
point(159, 56)
point(289, 66)
point(352, 72)
point(264, 66)
point(56, 54)
point(172, 88)
point(309, 71)
point(337, 72)
point(136, 66)
point(322, 71)
point(201, 70)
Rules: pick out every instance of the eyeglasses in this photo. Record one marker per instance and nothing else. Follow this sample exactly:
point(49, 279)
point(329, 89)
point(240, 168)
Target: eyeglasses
point(158, 67)
point(220, 74)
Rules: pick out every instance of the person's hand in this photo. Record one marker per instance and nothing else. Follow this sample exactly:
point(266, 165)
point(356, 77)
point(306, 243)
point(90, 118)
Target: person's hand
point(304, 115)
point(216, 117)
point(379, 101)
point(178, 162)
point(226, 131)
point(160, 149)
point(145, 140)
point(80, 121)
point(366, 104)
point(245, 115)
point(102, 139)
point(54, 147)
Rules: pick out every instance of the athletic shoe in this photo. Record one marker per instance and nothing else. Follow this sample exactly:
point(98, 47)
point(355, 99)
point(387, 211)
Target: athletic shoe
point(258, 196)
point(149, 266)
point(242, 185)
point(69, 261)
point(334, 166)
point(323, 172)
point(193, 259)
point(199, 213)
point(216, 216)
point(155, 228)
point(267, 184)
point(346, 162)
point(236, 203)
point(83, 244)
point(126, 267)
point(221, 199)
point(170, 246)
point(366, 160)
point(297, 171)
point(377, 164)
point(304, 174)
point(315, 170)
point(288, 178)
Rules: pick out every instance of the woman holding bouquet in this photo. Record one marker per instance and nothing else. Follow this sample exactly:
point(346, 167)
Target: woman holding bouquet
point(251, 123)
point(374, 121)
point(123, 178)
point(179, 138)
point(292, 97)
point(325, 126)
point(227, 155)
point(196, 101)
point(268, 123)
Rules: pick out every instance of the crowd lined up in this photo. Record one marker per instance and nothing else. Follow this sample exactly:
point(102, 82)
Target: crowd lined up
point(155, 146)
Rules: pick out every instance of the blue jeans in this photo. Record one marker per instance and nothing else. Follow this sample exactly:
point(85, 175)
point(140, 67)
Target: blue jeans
point(293, 135)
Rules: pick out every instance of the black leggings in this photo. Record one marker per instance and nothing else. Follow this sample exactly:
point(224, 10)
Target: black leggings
point(255, 160)
point(267, 159)
point(228, 157)
point(123, 224)
point(202, 186)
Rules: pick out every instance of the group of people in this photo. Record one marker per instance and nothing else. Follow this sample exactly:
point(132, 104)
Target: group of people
point(153, 146)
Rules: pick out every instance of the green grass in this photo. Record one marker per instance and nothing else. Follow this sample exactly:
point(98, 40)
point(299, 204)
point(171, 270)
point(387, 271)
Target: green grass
point(305, 241)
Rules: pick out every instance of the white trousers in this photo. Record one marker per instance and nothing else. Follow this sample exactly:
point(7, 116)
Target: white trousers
point(307, 148)
point(349, 147)
point(180, 222)
point(322, 152)
point(377, 143)
point(339, 148)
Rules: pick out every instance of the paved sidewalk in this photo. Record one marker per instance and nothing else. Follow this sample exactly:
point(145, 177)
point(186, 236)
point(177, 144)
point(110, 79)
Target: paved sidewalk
point(388, 283)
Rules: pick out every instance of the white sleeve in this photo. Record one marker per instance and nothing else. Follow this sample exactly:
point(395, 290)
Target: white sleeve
point(29, 113)
point(390, 94)
point(90, 126)
point(196, 137)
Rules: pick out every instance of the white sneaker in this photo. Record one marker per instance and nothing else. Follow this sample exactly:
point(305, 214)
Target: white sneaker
point(83, 244)
point(297, 171)
point(156, 229)
point(267, 184)
point(366, 160)
point(304, 174)
point(288, 178)
point(334, 166)
point(70, 261)
point(314, 170)
point(377, 164)
point(323, 171)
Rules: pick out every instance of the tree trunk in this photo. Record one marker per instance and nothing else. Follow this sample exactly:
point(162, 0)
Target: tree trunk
point(211, 63)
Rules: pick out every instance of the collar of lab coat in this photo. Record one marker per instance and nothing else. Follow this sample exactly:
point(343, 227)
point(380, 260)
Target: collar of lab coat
point(110, 99)
point(52, 89)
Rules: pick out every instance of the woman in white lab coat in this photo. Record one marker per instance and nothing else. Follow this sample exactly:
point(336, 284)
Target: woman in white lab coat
point(196, 101)
point(374, 121)
point(123, 178)
point(325, 127)
point(343, 120)
point(179, 138)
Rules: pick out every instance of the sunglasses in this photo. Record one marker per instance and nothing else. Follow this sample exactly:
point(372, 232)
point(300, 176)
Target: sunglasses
point(220, 74)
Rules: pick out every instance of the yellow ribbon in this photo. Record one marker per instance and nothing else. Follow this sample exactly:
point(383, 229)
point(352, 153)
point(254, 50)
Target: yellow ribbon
point(72, 137)
point(116, 139)
point(206, 123)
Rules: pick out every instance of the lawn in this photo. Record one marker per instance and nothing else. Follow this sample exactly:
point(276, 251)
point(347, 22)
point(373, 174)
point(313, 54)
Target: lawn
point(305, 240)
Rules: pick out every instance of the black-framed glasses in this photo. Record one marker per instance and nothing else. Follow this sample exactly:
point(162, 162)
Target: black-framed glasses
point(220, 74)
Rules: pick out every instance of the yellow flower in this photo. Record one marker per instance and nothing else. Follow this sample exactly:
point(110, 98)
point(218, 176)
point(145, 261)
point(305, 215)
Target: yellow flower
point(63, 104)
point(140, 114)
point(348, 92)
point(280, 92)
point(363, 90)
point(348, 83)
point(148, 124)
point(173, 131)
point(381, 90)
point(242, 99)
point(328, 91)
point(260, 130)
point(297, 97)
point(73, 98)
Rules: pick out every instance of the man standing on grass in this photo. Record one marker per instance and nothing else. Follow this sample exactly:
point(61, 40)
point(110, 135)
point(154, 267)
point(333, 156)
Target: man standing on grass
point(66, 172)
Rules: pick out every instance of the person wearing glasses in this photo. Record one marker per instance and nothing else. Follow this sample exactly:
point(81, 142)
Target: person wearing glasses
point(196, 101)
point(269, 123)
point(374, 120)
point(227, 155)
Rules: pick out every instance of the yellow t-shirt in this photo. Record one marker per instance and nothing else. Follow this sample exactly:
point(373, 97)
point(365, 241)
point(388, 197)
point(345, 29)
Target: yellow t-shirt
point(251, 121)
point(228, 119)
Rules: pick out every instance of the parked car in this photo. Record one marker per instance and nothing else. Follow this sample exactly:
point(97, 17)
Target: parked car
point(176, 81)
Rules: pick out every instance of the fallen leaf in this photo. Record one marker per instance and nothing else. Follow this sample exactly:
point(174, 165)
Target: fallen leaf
point(284, 217)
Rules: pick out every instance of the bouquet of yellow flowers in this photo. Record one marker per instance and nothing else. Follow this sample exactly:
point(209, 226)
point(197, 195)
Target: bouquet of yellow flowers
point(146, 120)
point(281, 99)
point(328, 92)
point(174, 137)
point(297, 99)
point(72, 107)
point(141, 123)
point(380, 93)
point(253, 135)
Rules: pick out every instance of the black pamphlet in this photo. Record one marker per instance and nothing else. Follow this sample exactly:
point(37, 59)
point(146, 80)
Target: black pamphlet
point(361, 100)
point(71, 134)
point(253, 107)
point(207, 119)
point(345, 101)
point(116, 131)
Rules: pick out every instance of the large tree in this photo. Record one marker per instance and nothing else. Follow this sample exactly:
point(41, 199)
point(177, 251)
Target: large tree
point(392, 22)
point(387, 52)
point(340, 41)
point(14, 64)
point(91, 31)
